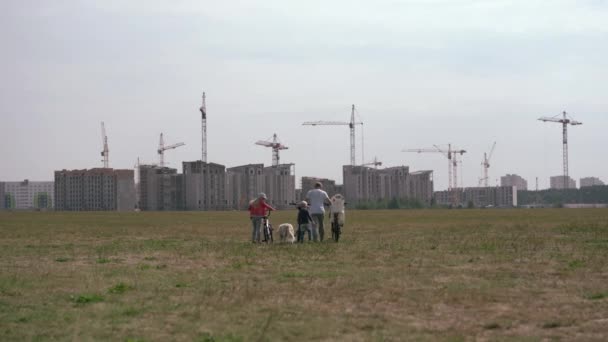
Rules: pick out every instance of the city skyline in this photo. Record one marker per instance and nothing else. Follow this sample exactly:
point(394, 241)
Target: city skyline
point(419, 73)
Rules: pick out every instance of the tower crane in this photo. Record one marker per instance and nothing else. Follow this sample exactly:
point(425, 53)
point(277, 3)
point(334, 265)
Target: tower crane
point(351, 124)
point(106, 151)
point(565, 121)
point(375, 163)
point(452, 156)
point(276, 147)
point(162, 148)
point(486, 165)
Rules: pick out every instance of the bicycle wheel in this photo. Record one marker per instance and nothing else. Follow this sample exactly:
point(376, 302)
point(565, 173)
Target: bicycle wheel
point(337, 232)
point(333, 230)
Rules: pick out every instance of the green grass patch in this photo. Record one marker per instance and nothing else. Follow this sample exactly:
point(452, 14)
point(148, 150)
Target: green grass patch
point(62, 259)
point(87, 298)
point(120, 288)
point(597, 296)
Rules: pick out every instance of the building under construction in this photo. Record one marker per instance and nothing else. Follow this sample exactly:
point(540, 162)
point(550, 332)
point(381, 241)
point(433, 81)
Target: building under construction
point(3, 198)
point(99, 189)
point(204, 186)
point(280, 185)
point(160, 188)
point(244, 183)
point(514, 180)
point(590, 181)
point(479, 197)
point(308, 183)
point(562, 182)
point(363, 184)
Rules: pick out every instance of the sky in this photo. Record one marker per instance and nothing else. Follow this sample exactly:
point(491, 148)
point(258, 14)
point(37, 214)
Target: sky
point(420, 73)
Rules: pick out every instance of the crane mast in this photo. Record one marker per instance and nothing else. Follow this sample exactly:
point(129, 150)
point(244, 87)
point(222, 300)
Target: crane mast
point(203, 110)
point(105, 153)
point(486, 165)
point(565, 121)
point(351, 124)
point(352, 136)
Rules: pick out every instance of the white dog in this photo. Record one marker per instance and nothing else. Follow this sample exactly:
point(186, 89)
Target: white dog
point(286, 233)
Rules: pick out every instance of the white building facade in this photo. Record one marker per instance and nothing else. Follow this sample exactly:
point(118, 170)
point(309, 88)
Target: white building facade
point(28, 195)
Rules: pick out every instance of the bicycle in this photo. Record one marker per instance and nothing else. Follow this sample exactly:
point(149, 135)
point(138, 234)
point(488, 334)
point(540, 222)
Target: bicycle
point(267, 229)
point(336, 216)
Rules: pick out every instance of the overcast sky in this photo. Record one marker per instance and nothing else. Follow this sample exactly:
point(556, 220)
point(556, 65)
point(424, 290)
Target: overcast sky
point(420, 72)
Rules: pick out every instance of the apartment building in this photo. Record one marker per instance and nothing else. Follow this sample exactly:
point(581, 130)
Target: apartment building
point(479, 197)
point(514, 180)
point(243, 184)
point(590, 181)
point(204, 186)
point(160, 188)
point(557, 182)
point(27, 195)
point(98, 189)
point(362, 183)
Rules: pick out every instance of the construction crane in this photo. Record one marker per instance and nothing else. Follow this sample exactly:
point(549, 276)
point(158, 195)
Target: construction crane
point(452, 156)
point(276, 147)
point(375, 163)
point(203, 110)
point(162, 148)
point(486, 165)
point(350, 124)
point(565, 121)
point(106, 151)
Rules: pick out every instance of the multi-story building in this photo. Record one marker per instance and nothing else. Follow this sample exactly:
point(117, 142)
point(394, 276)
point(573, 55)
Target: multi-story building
point(480, 197)
point(308, 183)
point(280, 185)
point(362, 183)
point(590, 181)
point(160, 188)
point(243, 184)
point(421, 186)
point(557, 182)
point(3, 198)
point(514, 180)
point(204, 186)
point(98, 189)
point(27, 195)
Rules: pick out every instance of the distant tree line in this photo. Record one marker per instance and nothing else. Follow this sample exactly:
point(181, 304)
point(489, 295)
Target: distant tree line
point(556, 198)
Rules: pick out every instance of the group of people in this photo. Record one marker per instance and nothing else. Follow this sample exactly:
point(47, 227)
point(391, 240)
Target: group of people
point(311, 213)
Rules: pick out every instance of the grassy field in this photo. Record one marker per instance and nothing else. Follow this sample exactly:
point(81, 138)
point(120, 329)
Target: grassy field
point(459, 275)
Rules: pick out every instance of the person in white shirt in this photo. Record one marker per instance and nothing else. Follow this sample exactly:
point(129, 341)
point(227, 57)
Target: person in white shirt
point(317, 199)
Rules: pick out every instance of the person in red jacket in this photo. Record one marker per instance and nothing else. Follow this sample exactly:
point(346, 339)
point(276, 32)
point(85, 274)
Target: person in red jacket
point(257, 211)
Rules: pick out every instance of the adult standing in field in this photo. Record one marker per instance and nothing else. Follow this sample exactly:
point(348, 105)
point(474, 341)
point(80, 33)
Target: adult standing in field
point(257, 211)
point(317, 199)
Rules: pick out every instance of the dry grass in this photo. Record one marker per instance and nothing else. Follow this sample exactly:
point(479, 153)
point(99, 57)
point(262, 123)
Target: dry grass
point(396, 275)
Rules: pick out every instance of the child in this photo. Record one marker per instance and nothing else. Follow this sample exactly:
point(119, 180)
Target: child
point(257, 211)
point(304, 222)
